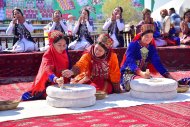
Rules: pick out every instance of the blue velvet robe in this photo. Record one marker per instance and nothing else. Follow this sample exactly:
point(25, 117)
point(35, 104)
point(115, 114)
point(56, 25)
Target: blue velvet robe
point(133, 60)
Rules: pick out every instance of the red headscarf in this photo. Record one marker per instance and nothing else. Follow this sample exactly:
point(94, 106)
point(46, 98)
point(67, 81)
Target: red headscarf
point(52, 63)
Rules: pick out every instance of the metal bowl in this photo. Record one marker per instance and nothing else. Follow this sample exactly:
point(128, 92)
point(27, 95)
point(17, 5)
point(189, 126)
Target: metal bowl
point(182, 88)
point(100, 95)
point(8, 105)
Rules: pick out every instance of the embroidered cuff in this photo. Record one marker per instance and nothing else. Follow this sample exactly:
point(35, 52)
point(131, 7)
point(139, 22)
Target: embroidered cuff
point(51, 77)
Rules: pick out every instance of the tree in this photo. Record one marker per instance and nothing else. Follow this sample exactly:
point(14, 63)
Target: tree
point(130, 15)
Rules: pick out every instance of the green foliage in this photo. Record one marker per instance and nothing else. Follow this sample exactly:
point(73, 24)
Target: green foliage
point(129, 12)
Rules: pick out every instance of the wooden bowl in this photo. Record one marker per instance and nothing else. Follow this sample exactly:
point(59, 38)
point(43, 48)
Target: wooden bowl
point(182, 88)
point(8, 105)
point(100, 95)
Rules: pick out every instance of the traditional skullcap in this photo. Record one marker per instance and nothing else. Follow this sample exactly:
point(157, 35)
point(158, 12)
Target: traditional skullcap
point(106, 40)
point(54, 35)
point(147, 28)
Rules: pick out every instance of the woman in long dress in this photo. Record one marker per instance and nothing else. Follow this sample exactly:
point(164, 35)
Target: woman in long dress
point(98, 67)
point(115, 26)
point(54, 60)
point(141, 58)
point(82, 29)
point(21, 29)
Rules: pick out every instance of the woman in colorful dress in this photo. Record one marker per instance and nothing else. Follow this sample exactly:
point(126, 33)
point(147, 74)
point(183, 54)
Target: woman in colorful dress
point(140, 56)
point(185, 28)
point(82, 29)
point(54, 60)
point(115, 26)
point(99, 67)
point(21, 29)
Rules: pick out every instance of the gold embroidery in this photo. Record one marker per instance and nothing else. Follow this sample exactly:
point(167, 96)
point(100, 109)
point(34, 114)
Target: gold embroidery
point(55, 34)
point(144, 53)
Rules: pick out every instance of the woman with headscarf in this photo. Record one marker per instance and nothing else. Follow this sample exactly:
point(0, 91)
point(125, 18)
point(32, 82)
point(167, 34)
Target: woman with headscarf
point(54, 61)
point(21, 29)
point(82, 29)
point(141, 56)
point(115, 26)
point(99, 67)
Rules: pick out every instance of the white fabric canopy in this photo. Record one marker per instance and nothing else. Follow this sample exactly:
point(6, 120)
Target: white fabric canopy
point(179, 5)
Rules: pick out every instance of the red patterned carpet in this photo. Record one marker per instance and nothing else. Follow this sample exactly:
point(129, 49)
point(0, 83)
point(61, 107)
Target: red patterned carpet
point(157, 115)
point(14, 90)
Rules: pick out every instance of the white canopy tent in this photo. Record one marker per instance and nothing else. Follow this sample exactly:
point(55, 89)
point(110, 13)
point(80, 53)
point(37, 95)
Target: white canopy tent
point(179, 5)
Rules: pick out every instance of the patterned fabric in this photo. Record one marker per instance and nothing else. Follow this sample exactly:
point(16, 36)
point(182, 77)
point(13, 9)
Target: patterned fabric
point(20, 31)
point(105, 40)
point(147, 27)
point(14, 89)
point(27, 64)
point(53, 35)
point(52, 63)
point(119, 34)
point(58, 27)
point(157, 33)
point(149, 115)
point(102, 71)
point(83, 31)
